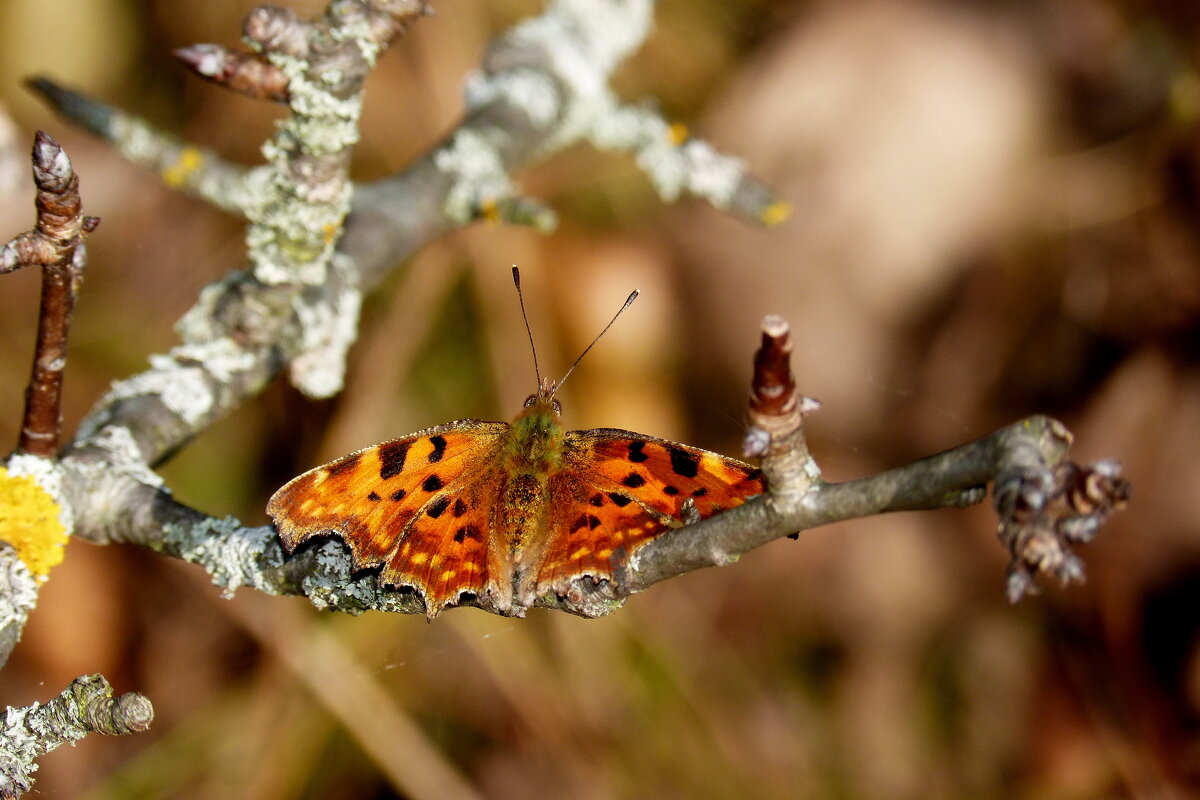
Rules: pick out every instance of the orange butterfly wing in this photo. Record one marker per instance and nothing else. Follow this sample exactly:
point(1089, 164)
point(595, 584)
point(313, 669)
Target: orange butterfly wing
point(618, 490)
point(421, 506)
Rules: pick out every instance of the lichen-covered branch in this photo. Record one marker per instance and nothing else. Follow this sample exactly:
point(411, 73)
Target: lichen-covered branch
point(1045, 505)
point(297, 303)
point(180, 165)
point(85, 706)
point(18, 597)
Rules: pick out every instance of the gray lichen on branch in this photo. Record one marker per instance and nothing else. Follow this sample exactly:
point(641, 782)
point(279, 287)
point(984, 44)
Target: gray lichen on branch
point(1023, 458)
point(85, 706)
point(18, 597)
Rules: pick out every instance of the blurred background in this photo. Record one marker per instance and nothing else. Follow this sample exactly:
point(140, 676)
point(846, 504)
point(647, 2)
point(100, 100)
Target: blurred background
point(996, 214)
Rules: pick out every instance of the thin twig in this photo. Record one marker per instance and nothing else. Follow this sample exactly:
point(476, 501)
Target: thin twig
point(56, 244)
point(251, 75)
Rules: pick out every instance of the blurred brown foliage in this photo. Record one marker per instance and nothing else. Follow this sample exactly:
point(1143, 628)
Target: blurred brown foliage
point(997, 208)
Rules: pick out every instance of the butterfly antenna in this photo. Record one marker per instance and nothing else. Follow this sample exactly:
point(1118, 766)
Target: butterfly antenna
point(521, 297)
point(628, 302)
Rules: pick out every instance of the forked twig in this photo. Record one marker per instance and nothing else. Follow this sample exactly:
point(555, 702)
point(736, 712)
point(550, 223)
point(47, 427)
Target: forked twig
point(55, 244)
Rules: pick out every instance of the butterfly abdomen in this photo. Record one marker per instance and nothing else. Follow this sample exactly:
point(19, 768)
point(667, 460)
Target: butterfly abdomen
point(521, 521)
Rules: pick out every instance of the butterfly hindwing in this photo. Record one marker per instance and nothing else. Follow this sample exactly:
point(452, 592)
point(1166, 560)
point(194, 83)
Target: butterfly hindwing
point(617, 490)
point(395, 504)
point(444, 551)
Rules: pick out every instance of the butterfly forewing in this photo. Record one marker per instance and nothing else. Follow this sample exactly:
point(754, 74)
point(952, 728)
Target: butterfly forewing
point(617, 490)
point(395, 504)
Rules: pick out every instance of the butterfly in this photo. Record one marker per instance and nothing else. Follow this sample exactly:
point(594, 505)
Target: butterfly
point(506, 513)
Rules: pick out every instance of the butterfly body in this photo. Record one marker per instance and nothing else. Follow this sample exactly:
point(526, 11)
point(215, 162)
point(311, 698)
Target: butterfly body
point(504, 512)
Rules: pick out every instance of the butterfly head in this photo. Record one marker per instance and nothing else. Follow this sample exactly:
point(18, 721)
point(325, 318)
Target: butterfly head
point(543, 401)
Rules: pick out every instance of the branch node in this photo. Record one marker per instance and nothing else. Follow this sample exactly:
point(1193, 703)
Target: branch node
point(277, 30)
point(776, 415)
point(1044, 511)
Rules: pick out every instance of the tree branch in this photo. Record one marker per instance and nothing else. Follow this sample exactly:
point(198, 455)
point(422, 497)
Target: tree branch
point(1046, 505)
point(1039, 520)
point(85, 706)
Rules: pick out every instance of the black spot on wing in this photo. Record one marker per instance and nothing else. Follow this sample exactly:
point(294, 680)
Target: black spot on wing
point(593, 522)
point(399, 495)
point(633, 480)
point(374, 497)
point(437, 507)
point(700, 492)
point(636, 454)
point(460, 508)
point(753, 475)
point(391, 458)
point(579, 523)
point(468, 532)
point(619, 500)
point(671, 490)
point(597, 499)
point(432, 483)
point(347, 463)
point(684, 463)
point(439, 448)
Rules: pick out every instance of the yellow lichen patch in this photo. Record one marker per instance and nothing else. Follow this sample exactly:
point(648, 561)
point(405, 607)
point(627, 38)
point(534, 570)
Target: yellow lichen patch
point(330, 231)
point(29, 522)
point(189, 161)
point(677, 133)
point(776, 213)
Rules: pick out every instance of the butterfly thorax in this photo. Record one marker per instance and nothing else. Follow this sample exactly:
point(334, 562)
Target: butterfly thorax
point(535, 443)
